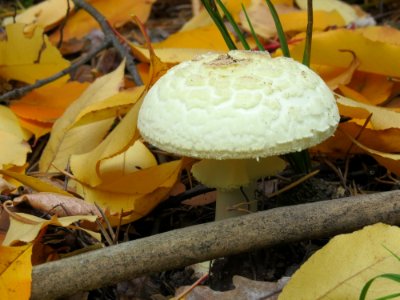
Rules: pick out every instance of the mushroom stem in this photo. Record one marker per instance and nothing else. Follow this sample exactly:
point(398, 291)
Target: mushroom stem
point(236, 202)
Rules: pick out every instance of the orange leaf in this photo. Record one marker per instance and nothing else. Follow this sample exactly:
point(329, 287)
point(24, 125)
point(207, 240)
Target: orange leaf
point(81, 23)
point(15, 270)
point(48, 103)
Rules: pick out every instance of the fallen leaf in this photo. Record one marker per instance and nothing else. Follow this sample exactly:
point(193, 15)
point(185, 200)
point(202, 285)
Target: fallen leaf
point(382, 118)
point(334, 77)
point(341, 268)
point(15, 270)
point(374, 87)
point(348, 13)
point(207, 37)
point(81, 23)
point(46, 14)
point(13, 148)
point(115, 106)
point(25, 228)
point(28, 59)
point(385, 34)
point(134, 205)
point(292, 19)
point(245, 289)
point(374, 56)
point(46, 104)
point(203, 199)
point(385, 140)
point(170, 56)
point(34, 183)
point(5, 187)
point(65, 141)
point(57, 204)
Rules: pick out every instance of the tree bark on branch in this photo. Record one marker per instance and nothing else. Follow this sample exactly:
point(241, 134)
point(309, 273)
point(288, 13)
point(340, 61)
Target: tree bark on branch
point(198, 243)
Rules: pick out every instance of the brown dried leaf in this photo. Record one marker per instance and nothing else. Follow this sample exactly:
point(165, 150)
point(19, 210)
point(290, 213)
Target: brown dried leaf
point(246, 289)
point(59, 205)
point(202, 199)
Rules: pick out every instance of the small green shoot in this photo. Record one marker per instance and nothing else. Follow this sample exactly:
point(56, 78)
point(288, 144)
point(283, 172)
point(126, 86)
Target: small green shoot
point(279, 29)
point(234, 25)
point(219, 22)
point(310, 21)
point(390, 276)
point(253, 33)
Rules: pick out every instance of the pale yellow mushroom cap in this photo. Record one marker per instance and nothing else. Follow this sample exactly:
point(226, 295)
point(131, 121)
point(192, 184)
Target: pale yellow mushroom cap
point(238, 105)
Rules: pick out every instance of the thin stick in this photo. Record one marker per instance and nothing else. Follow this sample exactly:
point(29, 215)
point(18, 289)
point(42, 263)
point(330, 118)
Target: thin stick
point(109, 34)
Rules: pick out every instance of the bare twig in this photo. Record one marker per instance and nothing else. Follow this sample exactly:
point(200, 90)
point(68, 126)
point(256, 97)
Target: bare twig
point(182, 247)
point(18, 93)
point(64, 22)
point(109, 34)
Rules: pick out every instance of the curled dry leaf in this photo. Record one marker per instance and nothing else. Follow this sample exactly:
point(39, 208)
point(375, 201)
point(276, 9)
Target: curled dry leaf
point(58, 205)
point(25, 228)
point(5, 187)
point(245, 289)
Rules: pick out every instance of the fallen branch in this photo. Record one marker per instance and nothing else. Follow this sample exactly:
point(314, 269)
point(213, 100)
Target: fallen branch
point(110, 34)
point(189, 245)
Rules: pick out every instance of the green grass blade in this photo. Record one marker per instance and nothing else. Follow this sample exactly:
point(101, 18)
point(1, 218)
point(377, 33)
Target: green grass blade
point(279, 29)
point(391, 296)
point(310, 21)
point(235, 26)
point(253, 33)
point(391, 252)
point(219, 22)
point(364, 291)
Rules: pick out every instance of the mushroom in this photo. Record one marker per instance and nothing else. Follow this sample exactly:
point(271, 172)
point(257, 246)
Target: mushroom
point(237, 112)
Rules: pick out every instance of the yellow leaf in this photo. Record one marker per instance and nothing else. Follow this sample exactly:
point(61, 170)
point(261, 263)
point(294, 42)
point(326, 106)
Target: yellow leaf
point(382, 118)
point(34, 183)
point(114, 106)
point(167, 55)
point(374, 56)
point(64, 141)
point(347, 12)
point(81, 23)
point(207, 37)
point(203, 19)
point(388, 160)
point(25, 228)
point(374, 87)
point(85, 166)
point(135, 158)
point(28, 59)
point(15, 270)
point(386, 140)
point(291, 18)
point(138, 205)
point(144, 181)
point(385, 34)
point(36, 128)
point(341, 268)
point(46, 14)
point(13, 148)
